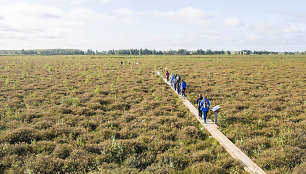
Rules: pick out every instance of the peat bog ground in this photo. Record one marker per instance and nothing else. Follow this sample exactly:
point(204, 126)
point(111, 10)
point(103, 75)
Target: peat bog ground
point(81, 114)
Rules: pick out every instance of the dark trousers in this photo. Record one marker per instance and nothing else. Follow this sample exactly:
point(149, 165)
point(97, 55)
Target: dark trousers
point(199, 112)
point(183, 92)
point(174, 86)
point(205, 116)
point(178, 88)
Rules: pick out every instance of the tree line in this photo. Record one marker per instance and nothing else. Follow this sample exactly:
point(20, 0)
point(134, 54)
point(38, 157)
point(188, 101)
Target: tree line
point(138, 52)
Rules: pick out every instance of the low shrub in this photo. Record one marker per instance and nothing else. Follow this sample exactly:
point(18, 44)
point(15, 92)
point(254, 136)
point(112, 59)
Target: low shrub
point(189, 134)
point(300, 169)
point(201, 167)
point(62, 151)
point(23, 134)
point(160, 168)
point(83, 111)
point(78, 161)
point(45, 147)
point(45, 164)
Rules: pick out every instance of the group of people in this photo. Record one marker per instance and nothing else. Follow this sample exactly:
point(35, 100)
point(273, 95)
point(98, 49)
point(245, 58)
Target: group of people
point(177, 83)
point(180, 86)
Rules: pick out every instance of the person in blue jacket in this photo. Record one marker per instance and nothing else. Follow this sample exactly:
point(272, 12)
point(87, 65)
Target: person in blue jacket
point(204, 104)
point(172, 80)
point(183, 87)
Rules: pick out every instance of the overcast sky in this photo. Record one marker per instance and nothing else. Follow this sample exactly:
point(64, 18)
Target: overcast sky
point(276, 25)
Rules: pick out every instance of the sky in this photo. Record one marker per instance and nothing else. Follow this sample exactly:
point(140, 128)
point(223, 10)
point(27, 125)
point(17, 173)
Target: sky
point(274, 25)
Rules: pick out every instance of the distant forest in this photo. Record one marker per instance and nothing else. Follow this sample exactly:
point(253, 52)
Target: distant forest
point(135, 52)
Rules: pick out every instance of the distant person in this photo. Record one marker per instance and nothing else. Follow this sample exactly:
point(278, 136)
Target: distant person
point(178, 83)
point(184, 86)
point(180, 88)
point(200, 98)
point(121, 62)
point(174, 82)
point(167, 75)
point(205, 107)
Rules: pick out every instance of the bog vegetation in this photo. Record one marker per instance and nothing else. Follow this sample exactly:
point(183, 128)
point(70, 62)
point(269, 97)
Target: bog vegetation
point(65, 114)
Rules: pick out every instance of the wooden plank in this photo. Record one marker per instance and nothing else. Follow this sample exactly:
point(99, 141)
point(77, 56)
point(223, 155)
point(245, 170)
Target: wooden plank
point(230, 147)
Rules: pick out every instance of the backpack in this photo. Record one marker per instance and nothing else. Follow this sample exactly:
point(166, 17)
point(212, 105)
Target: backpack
point(205, 104)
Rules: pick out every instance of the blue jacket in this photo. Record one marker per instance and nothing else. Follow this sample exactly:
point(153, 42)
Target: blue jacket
point(172, 79)
point(202, 105)
point(184, 85)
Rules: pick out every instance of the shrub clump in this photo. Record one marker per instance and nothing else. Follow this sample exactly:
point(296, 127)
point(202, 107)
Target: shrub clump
point(23, 134)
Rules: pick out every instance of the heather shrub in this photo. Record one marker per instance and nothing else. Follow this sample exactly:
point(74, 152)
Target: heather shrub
point(23, 134)
point(140, 161)
point(189, 134)
point(32, 114)
point(93, 148)
point(43, 124)
point(160, 168)
point(20, 149)
point(113, 169)
point(300, 169)
point(13, 163)
point(78, 161)
point(203, 155)
point(68, 100)
point(201, 167)
point(62, 151)
point(178, 158)
point(45, 164)
point(116, 152)
point(45, 147)
point(83, 111)
point(162, 145)
point(290, 157)
point(90, 125)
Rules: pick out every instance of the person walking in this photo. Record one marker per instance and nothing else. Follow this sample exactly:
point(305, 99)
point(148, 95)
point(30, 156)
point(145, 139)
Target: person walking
point(178, 82)
point(172, 79)
point(167, 75)
point(174, 82)
point(200, 98)
point(183, 87)
point(205, 107)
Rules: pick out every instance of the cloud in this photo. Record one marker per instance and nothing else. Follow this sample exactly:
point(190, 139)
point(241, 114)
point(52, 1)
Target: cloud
point(297, 17)
point(89, 15)
point(129, 20)
point(30, 17)
point(123, 11)
point(105, 1)
point(35, 26)
point(80, 2)
point(275, 29)
point(233, 21)
point(188, 15)
point(25, 25)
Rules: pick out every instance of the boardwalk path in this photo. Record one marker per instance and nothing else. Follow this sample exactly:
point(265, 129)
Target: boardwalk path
point(212, 128)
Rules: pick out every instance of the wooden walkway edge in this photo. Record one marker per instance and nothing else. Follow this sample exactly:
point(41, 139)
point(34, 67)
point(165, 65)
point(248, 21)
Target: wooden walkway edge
point(230, 147)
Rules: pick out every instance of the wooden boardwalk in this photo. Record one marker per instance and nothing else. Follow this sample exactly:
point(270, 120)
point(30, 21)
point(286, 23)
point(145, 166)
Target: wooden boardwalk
point(230, 147)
